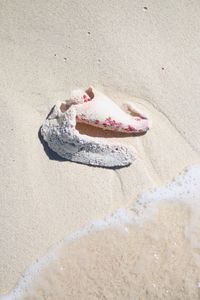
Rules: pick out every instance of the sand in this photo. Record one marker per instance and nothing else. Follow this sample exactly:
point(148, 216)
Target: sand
point(126, 49)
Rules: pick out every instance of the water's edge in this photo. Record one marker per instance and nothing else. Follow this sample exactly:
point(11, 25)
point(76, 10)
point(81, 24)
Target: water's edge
point(184, 189)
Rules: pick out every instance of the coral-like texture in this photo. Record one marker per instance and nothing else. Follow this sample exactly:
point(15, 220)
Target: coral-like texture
point(59, 129)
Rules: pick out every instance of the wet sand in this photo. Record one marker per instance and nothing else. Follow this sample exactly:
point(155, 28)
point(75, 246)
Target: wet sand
point(126, 50)
point(150, 251)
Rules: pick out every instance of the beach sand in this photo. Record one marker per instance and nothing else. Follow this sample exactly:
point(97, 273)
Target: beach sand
point(126, 49)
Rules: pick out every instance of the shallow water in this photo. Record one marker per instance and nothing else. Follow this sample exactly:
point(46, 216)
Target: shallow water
point(150, 251)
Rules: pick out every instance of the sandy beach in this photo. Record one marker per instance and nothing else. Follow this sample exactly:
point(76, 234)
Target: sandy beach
point(142, 51)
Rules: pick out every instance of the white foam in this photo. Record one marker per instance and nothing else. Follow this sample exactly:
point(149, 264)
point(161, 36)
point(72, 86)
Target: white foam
point(117, 219)
point(185, 188)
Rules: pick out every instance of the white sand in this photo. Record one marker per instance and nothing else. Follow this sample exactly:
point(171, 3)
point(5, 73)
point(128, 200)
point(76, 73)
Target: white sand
point(49, 48)
point(150, 251)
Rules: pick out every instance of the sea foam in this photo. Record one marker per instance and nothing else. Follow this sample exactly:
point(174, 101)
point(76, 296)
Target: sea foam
point(185, 189)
